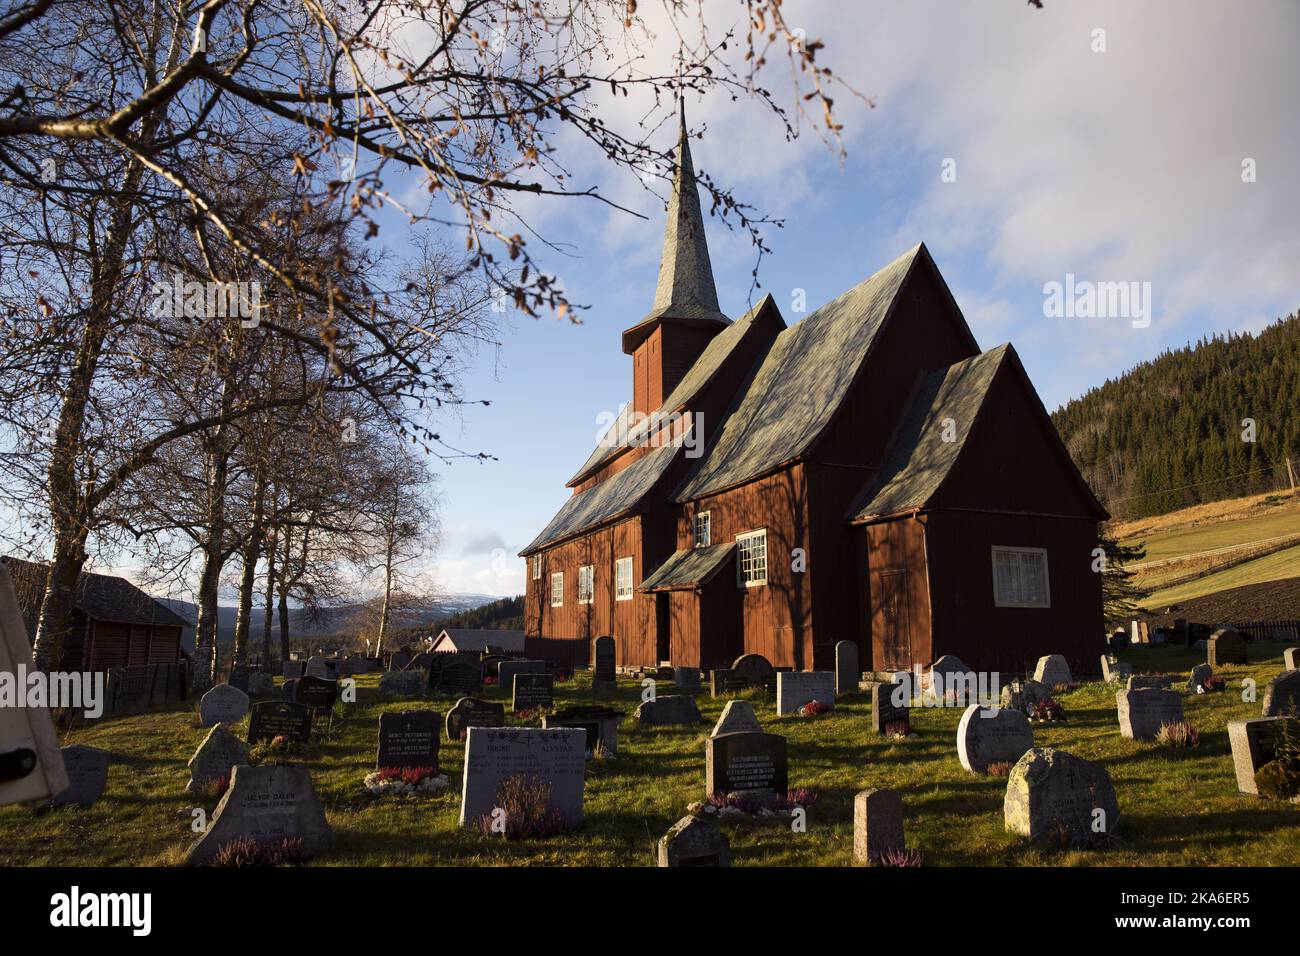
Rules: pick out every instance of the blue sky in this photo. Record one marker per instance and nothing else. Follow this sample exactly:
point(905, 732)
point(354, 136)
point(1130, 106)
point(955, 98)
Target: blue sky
point(1122, 165)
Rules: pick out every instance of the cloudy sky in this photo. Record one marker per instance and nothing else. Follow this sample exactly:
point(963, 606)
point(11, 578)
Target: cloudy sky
point(1122, 165)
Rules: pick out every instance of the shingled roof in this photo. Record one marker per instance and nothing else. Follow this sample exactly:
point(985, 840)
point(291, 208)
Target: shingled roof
point(685, 290)
point(798, 386)
point(689, 568)
point(615, 497)
point(622, 434)
point(922, 451)
point(104, 597)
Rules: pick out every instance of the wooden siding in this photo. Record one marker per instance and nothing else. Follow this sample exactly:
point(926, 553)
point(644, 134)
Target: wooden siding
point(115, 644)
point(885, 549)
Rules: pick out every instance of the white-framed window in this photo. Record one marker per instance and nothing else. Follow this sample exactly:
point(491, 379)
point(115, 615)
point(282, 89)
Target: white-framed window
point(1020, 577)
point(586, 584)
point(623, 579)
point(703, 530)
point(557, 589)
point(751, 558)
point(537, 567)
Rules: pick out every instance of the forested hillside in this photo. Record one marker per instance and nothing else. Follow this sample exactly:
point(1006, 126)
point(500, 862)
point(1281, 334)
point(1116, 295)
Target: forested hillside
point(1169, 433)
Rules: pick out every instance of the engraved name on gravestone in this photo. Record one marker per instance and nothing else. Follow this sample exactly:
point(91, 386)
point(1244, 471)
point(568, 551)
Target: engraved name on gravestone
point(266, 804)
point(796, 688)
point(746, 762)
point(278, 718)
point(532, 690)
point(556, 757)
point(472, 712)
point(408, 739)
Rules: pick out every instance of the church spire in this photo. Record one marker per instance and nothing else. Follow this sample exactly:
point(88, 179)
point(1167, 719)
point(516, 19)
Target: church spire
point(685, 291)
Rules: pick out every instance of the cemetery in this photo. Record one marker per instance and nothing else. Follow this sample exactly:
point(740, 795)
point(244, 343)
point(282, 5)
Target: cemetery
point(687, 777)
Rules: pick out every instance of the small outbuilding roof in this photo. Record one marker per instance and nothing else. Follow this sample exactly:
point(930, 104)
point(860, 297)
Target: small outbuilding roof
point(104, 597)
point(477, 639)
point(689, 568)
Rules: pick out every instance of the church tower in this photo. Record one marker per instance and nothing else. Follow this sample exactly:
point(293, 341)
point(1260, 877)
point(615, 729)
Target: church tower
point(666, 343)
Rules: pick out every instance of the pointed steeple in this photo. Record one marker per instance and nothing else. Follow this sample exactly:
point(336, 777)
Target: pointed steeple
point(685, 291)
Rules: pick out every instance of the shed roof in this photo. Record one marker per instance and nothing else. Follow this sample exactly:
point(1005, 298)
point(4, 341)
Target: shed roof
point(615, 497)
point(798, 386)
point(478, 639)
point(104, 597)
point(689, 568)
point(925, 445)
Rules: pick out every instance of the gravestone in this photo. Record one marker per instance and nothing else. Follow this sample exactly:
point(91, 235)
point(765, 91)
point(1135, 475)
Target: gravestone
point(266, 804)
point(847, 671)
point(877, 825)
point(1053, 669)
point(1143, 712)
point(239, 678)
point(556, 757)
point(603, 676)
point(222, 705)
point(1149, 682)
point(1023, 695)
point(316, 667)
point(290, 669)
point(333, 668)
point(686, 678)
point(885, 710)
point(951, 681)
point(600, 723)
point(87, 769)
point(1255, 742)
point(472, 712)
point(532, 689)
point(1282, 695)
point(1051, 790)
point(796, 688)
point(491, 662)
point(420, 662)
point(261, 684)
point(401, 684)
point(693, 842)
point(988, 735)
point(747, 671)
point(270, 719)
point(737, 717)
point(673, 709)
point(408, 739)
point(1226, 646)
point(216, 757)
point(1200, 674)
point(1113, 671)
point(399, 660)
point(317, 693)
point(507, 670)
point(1291, 658)
point(746, 763)
point(459, 674)
point(289, 690)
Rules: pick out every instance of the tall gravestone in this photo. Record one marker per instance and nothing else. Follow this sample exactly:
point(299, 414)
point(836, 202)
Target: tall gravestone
point(266, 804)
point(556, 757)
point(270, 719)
point(886, 711)
point(1050, 791)
point(1291, 658)
point(794, 689)
point(604, 679)
point(408, 739)
point(989, 735)
point(1226, 646)
point(532, 690)
point(217, 757)
point(877, 825)
point(1143, 712)
point(223, 704)
point(746, 763)
point(87, 769)
point(847, 671)
point(472, 712)
point(686, 678)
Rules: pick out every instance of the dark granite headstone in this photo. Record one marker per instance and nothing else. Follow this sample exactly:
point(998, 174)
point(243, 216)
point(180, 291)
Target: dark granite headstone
point(1226, 646)
point(399, 661)
point(883, 709)
point(318, 693)
point(603, 675)
point(472, 712)
point(459, 674)
point(408, 739)
point(239, 678)
point(277, 718)
point(600, 723)
point(746, 762)
point(289, 690)
point(532, 690)
point(293, 669)
point(693, 842)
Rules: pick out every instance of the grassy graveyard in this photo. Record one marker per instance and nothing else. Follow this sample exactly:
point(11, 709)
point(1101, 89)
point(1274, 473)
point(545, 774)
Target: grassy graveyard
point(1179, 807)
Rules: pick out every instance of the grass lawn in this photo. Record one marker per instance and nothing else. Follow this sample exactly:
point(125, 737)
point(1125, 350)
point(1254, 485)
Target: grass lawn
point(1223, 534)
point(1178, 807)
point(1273, 567)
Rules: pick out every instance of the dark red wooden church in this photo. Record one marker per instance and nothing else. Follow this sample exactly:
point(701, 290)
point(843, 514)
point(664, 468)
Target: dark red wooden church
point(867, 474)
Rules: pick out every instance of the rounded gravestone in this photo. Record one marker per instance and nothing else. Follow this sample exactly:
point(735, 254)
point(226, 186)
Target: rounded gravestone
point(222, 705)
point(1282, 695)
point(847, 672)
point(1052, 793)
point(753, 670)
point(989, 735)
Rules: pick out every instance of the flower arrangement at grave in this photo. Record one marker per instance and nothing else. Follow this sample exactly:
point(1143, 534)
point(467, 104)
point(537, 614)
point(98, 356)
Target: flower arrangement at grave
point(1178, 733)
point(1045, 710)
point(1000, 768)
point(756, 805)
point(534, 714)
point(214, 789)
point(405, 781)
point(521, 810)
point(815, 708)
point(489, 681)
point(899, 857)
point(1212, 685)
point(898, 729)
point(245, 851)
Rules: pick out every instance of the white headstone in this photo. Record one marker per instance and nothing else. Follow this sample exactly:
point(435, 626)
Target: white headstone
point(223, 705)
point(1053, 669)
point(1142, 712)
point(557, 757)
point(796, 688)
